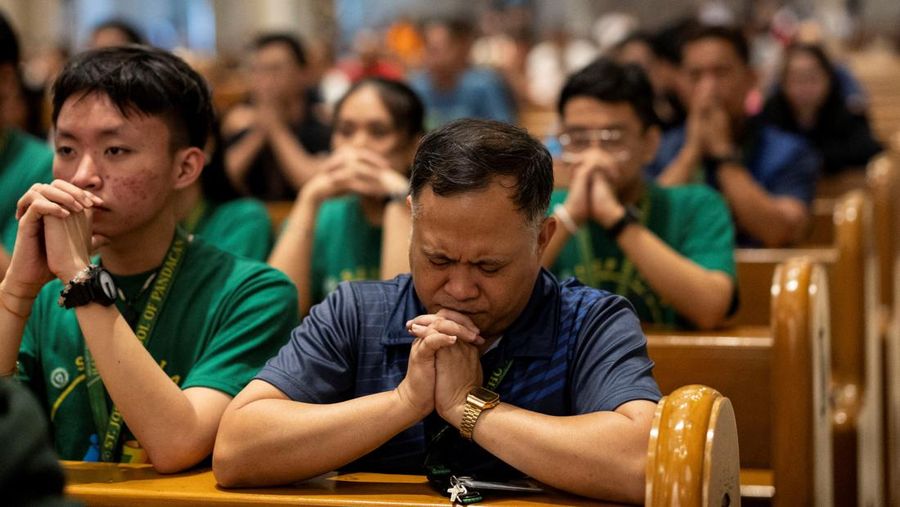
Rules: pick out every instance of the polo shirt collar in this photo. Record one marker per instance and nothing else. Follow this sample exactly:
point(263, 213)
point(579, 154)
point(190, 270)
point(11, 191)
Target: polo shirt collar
point(532, 334)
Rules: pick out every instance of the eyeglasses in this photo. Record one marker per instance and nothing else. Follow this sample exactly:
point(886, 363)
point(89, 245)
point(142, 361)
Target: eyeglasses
point(611, 141)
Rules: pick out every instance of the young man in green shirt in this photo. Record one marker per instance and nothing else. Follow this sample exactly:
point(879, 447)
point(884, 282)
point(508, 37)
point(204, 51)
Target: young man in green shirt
point(24, 160)
point(670, 251)
point(166, 329)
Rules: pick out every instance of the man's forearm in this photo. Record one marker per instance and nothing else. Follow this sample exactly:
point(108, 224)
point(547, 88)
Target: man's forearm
point(14, 312)
point(292, 254)
point(278, 441)
point(600, 455)
point(173, 432)
point(775, 221)
point(701, 295)
point(395, 240)
point(240, 155)
point(680, 170)
point(297, 164)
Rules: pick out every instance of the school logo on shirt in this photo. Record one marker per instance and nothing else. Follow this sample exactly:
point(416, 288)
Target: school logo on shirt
point(59, 377)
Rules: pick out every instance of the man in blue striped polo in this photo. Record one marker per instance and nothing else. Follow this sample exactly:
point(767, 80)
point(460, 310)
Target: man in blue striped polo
point(478, 363)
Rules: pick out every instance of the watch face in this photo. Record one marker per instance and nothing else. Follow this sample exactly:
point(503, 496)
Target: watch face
point(485, 395)
point(107, 284)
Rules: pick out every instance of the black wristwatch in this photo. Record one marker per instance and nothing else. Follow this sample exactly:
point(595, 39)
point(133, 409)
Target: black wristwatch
point(632, 216)
point(731, 158)
point(93, 284)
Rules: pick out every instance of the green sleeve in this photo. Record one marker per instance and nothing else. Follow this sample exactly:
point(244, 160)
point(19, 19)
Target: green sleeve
point(30, 349)
point(241, 227)
point(255, 321)
point(30, 162)
point(708, 234)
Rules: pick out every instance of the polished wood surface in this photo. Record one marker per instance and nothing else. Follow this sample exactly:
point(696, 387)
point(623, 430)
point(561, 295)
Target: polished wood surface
point(693, 450)
point(107, 484)
point(884, 187)
point(736, 362)
point(801, 436)
point(278, 213)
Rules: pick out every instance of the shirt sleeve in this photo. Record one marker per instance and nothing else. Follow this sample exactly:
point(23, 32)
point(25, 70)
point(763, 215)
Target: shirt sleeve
point(708, 235)
point(798, 175)
point(256, 321)
point(317, 365)
point(611, 364)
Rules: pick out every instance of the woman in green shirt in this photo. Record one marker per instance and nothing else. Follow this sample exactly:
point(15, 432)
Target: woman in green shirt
point(350, 221)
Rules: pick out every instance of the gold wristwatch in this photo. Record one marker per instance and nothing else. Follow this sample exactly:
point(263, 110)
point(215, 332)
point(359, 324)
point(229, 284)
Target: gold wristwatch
point(478, 400)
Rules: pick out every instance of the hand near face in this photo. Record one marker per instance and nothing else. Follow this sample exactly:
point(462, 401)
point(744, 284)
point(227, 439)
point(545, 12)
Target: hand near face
point(606, 208)
point(718, 141)
point(54, 234)
point(429, 383)
point(356, 171)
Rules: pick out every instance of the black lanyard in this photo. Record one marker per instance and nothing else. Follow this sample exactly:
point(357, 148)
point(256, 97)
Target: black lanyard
point(439, 472)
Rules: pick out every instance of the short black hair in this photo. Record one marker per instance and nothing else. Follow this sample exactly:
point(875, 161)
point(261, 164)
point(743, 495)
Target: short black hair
point(466, 155)
point(607, 81)
point(405, 107)
point(131, 33)
point(143, 80)
point(293, 44)
point(460, 27)
point(730, 35)
point(9, 43)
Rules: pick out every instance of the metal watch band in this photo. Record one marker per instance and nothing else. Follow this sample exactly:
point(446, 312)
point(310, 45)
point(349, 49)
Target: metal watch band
point(471, 412)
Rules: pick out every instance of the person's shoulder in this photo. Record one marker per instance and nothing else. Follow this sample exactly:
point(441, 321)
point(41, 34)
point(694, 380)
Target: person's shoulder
point(690, 195)
point(20, 144)
point(478, 77)
point(378, 290)
point(575, 294)
point(244, 208)
point(233, 269)
point(773, 136)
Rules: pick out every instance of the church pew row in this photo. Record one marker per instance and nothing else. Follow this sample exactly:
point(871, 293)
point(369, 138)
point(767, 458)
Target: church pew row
point(884, 186)
point(856, 347)
point(778, 380)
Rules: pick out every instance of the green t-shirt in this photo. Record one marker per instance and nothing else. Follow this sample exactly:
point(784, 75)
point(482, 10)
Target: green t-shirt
point(224, 317)
point(692, 219)
point(240, 227)
point(24, 161)
point(347, 246)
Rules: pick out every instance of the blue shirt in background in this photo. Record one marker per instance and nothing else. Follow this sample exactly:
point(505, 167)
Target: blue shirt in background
point(479, 93)
point(574, 350)
point(784, 164)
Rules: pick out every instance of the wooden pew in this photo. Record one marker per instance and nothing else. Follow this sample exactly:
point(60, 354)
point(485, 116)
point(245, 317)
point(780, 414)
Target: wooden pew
point(778, 380)
point(856, 350)
point(278, 213)
point(692, 455)
point(884, 186)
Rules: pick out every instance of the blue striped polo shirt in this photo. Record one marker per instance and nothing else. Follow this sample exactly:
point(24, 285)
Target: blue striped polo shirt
point(574, 350)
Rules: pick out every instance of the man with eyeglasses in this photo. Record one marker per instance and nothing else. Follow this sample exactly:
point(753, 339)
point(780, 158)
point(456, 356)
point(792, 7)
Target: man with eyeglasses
point(669, 250)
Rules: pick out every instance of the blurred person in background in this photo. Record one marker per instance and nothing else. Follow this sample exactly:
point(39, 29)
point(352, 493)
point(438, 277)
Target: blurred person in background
point(766, 175)
point(350, 221)
point(272, 141)
point(214, 210)
point(669, 250)
point(550, 61)
point(642, 49)
point(24, 159)
point(115, 32)
point(450, 86)
point(808, 101)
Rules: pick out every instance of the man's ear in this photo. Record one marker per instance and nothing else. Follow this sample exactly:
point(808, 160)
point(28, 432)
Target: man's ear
point(652, 137)
point(548, 227)
point(188, 165)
